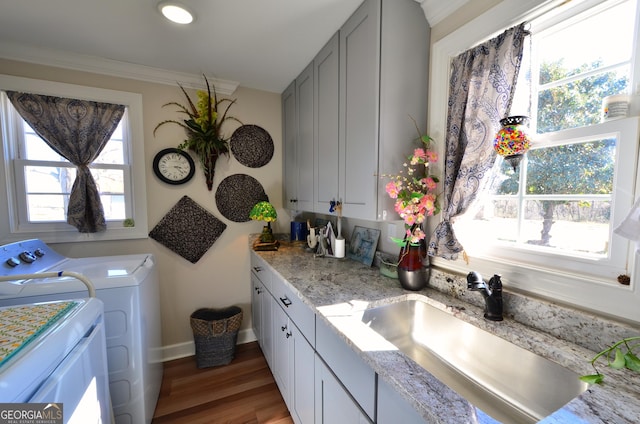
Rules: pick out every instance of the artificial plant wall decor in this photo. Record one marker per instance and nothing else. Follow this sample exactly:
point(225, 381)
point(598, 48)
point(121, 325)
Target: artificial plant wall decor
point(203, 127)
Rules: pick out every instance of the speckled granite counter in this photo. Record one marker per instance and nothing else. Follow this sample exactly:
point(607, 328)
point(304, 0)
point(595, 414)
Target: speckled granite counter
point(334, 287)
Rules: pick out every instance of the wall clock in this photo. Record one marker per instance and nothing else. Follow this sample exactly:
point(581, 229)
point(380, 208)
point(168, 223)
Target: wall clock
point(173, 166)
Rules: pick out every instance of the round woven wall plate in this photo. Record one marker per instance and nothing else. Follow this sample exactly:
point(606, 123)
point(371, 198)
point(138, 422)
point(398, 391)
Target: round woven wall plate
point(237, 194)
point(252, 146)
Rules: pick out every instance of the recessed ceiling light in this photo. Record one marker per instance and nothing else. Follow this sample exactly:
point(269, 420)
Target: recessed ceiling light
point(175, 12)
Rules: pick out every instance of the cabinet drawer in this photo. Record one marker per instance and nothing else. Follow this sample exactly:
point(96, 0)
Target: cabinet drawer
point(261, 270)
point(301, 314)
point(354, 374)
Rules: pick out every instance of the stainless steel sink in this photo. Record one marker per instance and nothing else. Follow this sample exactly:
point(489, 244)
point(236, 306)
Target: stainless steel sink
point(505, 381)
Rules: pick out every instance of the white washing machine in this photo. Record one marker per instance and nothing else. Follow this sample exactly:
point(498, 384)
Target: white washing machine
point(128, 285)
point(55, 353)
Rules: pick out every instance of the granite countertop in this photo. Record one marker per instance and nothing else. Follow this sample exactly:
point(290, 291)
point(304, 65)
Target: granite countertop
point(337, 288)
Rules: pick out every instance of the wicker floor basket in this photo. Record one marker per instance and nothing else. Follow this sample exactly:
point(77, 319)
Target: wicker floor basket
point(215, 333)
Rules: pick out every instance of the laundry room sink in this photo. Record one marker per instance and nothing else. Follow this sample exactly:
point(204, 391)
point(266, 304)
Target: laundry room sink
point(507, 382)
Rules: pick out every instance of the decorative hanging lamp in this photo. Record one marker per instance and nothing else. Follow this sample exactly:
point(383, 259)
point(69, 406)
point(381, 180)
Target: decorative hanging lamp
point(511, 141)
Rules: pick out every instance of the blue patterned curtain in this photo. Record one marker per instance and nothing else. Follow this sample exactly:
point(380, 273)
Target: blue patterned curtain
point(481, 89)
point(78, 130)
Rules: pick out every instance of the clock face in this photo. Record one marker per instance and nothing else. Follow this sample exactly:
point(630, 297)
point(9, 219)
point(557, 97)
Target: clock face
point(173, 166)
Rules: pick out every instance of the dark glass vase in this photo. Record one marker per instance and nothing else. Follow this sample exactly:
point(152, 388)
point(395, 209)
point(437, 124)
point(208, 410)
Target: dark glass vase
point(412, 273)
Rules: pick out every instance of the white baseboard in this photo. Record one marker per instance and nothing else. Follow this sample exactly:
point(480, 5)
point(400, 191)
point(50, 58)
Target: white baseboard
point(182, 350)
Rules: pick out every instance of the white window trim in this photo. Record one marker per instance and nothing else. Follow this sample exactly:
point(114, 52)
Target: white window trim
point(133, 102)
point(565, 287)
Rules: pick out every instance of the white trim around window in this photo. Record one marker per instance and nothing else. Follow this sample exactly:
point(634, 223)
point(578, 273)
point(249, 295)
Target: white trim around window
point(9, 231)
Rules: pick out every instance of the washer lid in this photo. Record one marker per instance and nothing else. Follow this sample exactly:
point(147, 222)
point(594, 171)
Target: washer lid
point(109, 271)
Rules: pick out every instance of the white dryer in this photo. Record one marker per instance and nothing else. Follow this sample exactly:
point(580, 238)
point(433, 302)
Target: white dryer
point(55, 353)
point(128, 285)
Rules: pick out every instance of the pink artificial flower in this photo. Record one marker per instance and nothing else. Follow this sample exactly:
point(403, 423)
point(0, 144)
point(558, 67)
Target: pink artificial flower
point(392, 189)
point(410, 219)
point(429, 183)
point(431, 156)
point(419, 156)
point(429, 202)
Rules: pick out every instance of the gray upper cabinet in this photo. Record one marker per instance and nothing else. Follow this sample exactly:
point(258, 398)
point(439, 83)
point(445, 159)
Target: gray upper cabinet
point(327, 117)
point(370, 80)
point(383, 78)
point(289, 135)
point(359, 76)
point(298, 135)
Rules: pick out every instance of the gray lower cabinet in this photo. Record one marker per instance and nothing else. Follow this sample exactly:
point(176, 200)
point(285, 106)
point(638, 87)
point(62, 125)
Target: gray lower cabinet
point(261, 306)
point(291, 369)
point(353, 373)
point(302, 397)
point(334, 405)
point(393, 408)
point(321, 378)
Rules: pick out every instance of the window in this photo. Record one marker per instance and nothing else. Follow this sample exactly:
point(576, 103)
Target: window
point(39, 179)
point(548, 225)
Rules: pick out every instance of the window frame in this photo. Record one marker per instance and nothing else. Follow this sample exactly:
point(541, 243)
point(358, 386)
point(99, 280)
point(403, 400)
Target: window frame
point(58, 232)
point(582, 290)
point(608, 268)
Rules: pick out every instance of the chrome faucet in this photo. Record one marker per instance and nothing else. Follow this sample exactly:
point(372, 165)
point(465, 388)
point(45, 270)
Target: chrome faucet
point(492, 293)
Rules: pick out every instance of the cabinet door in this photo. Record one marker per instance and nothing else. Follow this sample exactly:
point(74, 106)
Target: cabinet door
point(302, 378)
point(266, 326)
point(257, 292)
point(327, 113)
point(393, 408)
point(359, 94)
point(281, 360)
point(304, 140)
point(333, 404)
point(289, 135)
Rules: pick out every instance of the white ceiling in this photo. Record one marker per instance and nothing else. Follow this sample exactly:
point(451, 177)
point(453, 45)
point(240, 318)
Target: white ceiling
point(261, 44)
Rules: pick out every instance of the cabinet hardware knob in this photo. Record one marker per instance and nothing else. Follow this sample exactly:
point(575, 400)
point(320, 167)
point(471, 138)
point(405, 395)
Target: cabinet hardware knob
point(288, 334)
point(257, 268)
point(283, 328)
point(285, 301)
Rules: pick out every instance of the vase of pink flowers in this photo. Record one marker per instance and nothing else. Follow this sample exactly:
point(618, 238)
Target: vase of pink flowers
point(414, 191)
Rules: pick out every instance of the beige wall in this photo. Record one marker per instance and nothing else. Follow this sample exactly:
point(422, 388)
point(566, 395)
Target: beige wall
point(221, 277)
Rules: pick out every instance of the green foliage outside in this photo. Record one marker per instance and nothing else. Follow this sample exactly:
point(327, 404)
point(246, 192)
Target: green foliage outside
point(582, 168)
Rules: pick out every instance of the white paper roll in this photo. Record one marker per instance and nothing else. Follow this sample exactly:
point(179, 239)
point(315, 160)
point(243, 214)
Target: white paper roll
point(339, 248)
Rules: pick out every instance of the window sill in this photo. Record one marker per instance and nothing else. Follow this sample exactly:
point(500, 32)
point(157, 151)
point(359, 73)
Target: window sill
point(602, 296)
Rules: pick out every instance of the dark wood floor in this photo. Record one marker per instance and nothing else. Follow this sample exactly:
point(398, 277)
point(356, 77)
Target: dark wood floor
point(243, 392)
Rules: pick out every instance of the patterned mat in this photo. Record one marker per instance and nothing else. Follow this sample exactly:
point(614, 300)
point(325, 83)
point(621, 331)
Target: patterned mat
point(19, 325)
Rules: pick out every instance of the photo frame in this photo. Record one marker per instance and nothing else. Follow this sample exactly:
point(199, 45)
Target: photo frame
point(363, 244)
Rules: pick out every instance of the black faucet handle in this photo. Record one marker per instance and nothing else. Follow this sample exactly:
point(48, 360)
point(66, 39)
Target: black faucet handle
point(473, 279)
point(495, 283)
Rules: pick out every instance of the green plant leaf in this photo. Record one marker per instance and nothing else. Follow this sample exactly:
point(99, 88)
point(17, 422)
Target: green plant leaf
point(619, 361)
point(592, 378)
point(632, 362)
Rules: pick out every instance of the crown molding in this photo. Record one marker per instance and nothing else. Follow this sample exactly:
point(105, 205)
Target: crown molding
point(436, 10)
point(114, 68)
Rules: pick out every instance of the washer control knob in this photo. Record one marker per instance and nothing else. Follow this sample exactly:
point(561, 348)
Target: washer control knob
point(27, 257)
point(13, 262)
point(39, 252)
